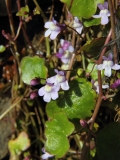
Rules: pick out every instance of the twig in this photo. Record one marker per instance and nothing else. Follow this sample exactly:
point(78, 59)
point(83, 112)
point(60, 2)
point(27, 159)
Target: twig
point(71, 2)
point(75, 31)
point(23, 29)
point(99, 101)
point(37, 5)
point(112, 19)
point(73, 57)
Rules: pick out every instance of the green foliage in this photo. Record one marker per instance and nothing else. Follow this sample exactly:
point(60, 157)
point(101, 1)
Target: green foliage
point(92, 48)
point(77, 102)
point(91, 22)
point(21, 143)
point(108, 142)
point(2, 48)
point(32, 67)
point(94, 73)
point(83, 8)
point(36, 11)
point(24, 11)
point(56, 133)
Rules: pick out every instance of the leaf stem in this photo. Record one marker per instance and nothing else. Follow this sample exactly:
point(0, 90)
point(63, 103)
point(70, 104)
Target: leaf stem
point(112, 19)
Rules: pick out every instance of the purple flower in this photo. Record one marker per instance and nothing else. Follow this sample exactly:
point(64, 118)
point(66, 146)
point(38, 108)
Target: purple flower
point(49, 91)
point(59, 80)
point(65, 56)
point(116, 84)
point(104, 13)
point(66, 45)
point(96, 86)
point(53, 28)
point(77, 25)
point(108, 65)
point(46, 155)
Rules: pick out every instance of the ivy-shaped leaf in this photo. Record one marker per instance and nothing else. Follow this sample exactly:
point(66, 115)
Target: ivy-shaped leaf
point(77, 102)
point(24, 11)
point(108, 142)
point(33, 67)
point(21, 143)
point(57, 131)
point(83, 8)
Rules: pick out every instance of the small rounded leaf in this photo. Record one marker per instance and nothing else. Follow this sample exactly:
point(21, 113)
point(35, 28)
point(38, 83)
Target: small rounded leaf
point(56, 133)
point(2, 48)
point(32, 67)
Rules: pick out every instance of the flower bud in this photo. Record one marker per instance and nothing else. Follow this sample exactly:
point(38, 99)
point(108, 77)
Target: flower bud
point(116, 84)
point(83, 123)
point(35, 81)
point(33, 95)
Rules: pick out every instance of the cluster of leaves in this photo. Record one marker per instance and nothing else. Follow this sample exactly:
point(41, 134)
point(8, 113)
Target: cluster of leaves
point(79, 100)
point(84, 91)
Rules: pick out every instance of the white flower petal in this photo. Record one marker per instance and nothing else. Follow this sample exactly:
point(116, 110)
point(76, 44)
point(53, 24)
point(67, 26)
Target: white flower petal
point(51, 79)
point(97, 89)
point(64, 85)
point(62, 42)
point(104, 86)
point(48, 24)
point(54, 34)
point(108, 14)
point(76, 19)
point(104, 20)
point(56, 88)
point(46, 156)
point(71, 49)
point(65, 60)
point(48, 32)
point(96, 16)
point(116, 67)
point(79, 30)
point(41, 91)
point(54, 95)
point(100, 67)
point(107, 71)
point(47, 97)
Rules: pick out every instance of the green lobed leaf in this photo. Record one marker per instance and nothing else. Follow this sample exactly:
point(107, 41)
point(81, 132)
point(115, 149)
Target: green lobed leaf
point(77, 102)
point(83, 8)
point(56, 133)
point(92, 48)
point(32, 67)
point(108, 142)
point(23, 11)
point(92, 22)
point(19, 144)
